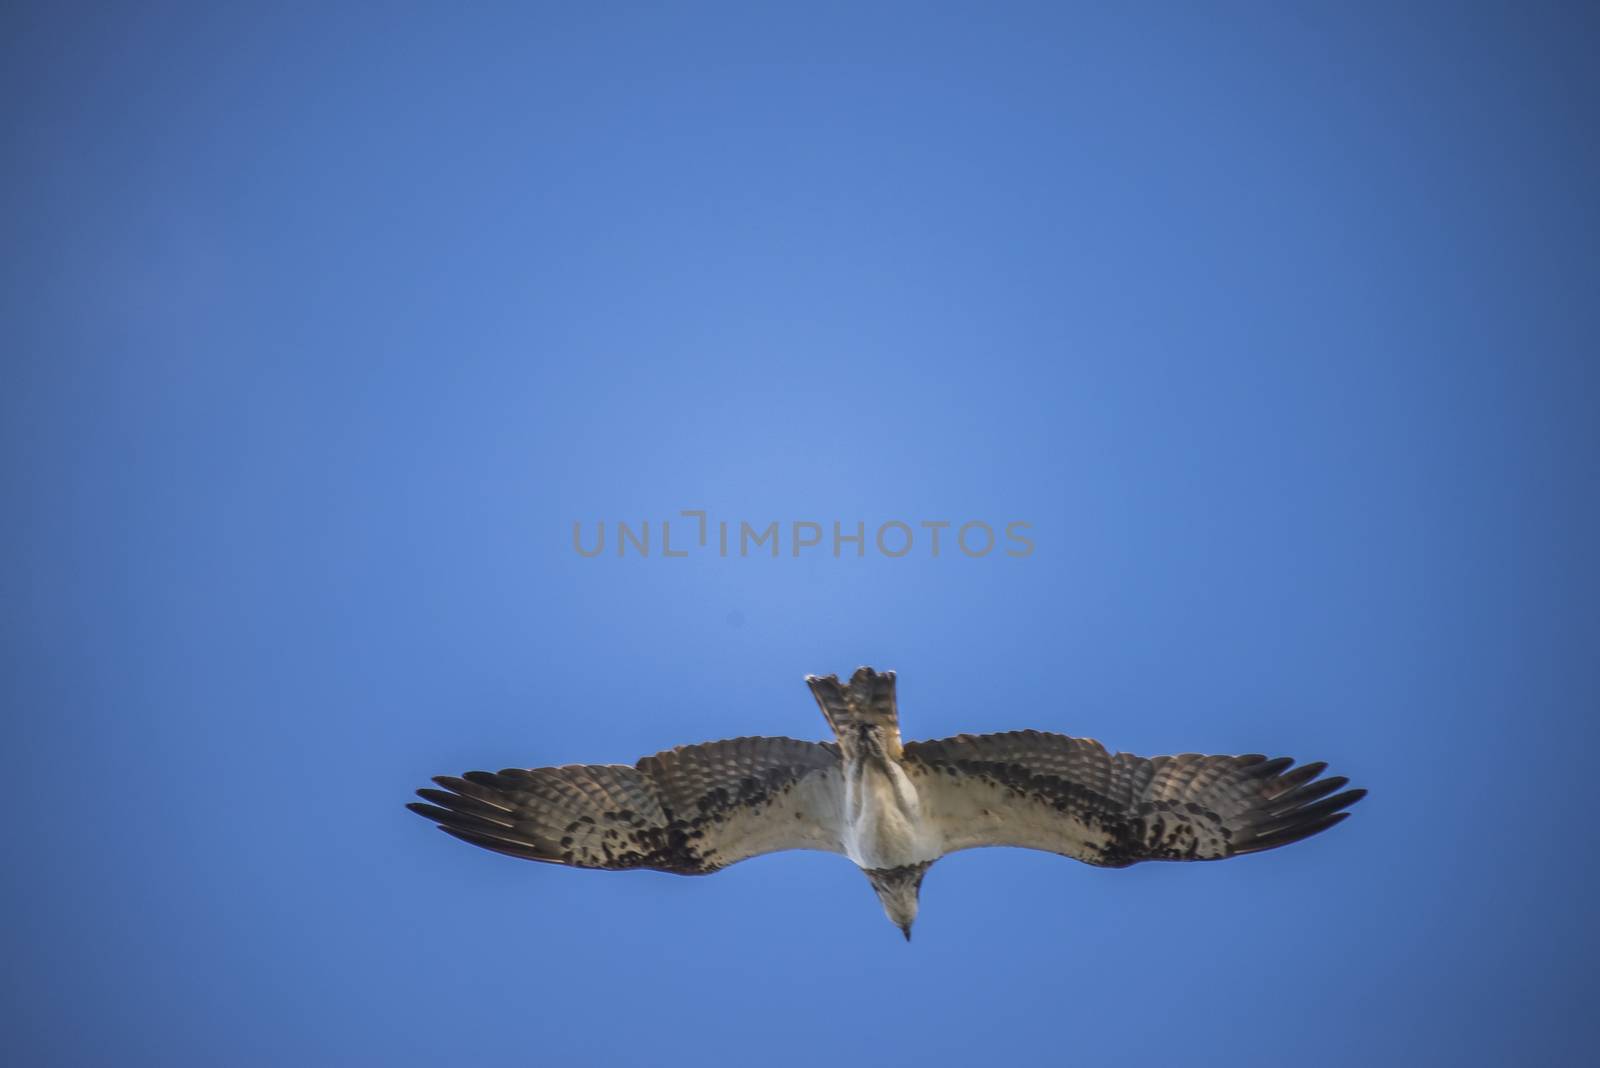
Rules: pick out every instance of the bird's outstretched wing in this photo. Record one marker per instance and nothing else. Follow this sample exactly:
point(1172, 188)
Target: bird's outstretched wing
point(690, 810)
point(1069, 796)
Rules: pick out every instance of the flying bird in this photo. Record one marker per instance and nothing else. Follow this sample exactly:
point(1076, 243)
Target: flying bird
point(892, 807)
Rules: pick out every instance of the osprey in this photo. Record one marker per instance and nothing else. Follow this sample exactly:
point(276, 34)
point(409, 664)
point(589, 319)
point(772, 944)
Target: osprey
point(892, 807)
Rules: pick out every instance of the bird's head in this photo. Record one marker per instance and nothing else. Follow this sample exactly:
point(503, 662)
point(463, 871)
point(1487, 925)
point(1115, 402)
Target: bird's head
point(898, 889)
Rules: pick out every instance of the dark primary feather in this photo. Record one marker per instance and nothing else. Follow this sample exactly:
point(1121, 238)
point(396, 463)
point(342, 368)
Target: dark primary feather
point(1070, 796)
point(690, 810)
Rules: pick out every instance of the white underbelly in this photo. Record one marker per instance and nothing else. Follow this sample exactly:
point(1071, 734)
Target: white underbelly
point(884, 824)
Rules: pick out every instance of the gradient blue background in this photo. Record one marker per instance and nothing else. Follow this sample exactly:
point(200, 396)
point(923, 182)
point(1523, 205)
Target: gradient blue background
point(323, 327)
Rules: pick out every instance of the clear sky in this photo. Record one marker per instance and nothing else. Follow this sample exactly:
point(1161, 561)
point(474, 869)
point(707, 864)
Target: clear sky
point(323, 325)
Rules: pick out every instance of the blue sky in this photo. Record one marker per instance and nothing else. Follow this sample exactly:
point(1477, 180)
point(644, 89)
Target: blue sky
point(323, 327)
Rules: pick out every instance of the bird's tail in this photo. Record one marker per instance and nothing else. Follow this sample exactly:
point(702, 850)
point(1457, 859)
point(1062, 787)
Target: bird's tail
point(860, 711)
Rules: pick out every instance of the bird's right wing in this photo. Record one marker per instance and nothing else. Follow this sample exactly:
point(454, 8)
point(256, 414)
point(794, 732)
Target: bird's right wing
point(1070, 796)
point(690, 810)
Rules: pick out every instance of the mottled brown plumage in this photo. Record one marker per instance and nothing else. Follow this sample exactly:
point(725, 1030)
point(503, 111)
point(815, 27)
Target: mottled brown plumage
point(892, 807)
point(690, 810)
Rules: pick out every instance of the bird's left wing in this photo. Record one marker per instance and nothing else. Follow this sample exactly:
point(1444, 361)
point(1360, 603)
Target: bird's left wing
point(1070, 796)
point(690, 810)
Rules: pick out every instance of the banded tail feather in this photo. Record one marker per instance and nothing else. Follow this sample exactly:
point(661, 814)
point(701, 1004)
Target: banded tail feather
point(862, 708)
